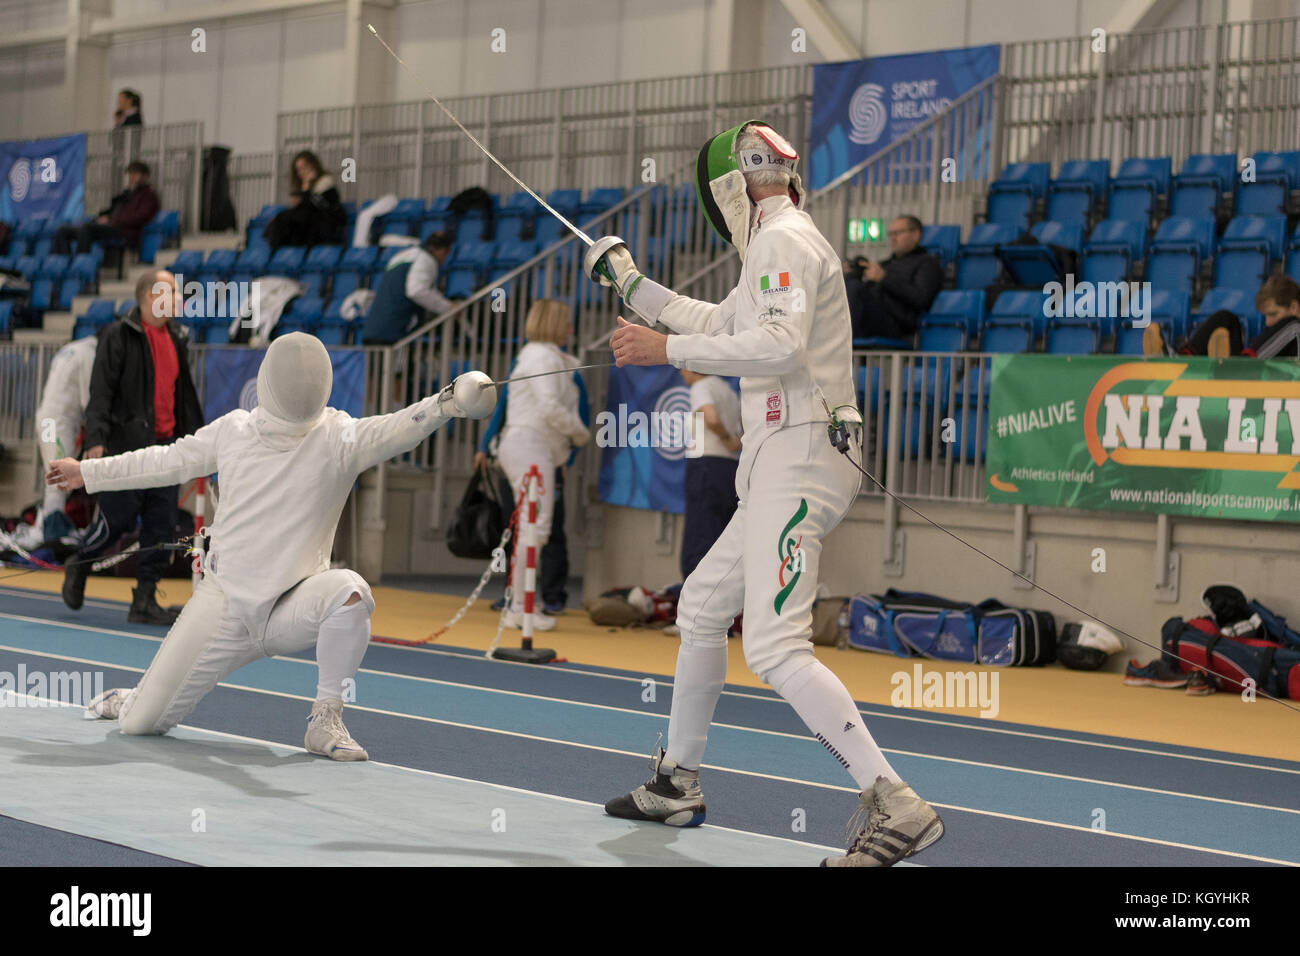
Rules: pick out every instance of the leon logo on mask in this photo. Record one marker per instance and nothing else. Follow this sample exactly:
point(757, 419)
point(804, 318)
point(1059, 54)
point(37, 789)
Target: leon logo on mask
point(791, 555)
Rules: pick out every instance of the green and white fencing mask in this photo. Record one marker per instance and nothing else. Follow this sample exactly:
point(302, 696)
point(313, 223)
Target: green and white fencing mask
point(720, 178)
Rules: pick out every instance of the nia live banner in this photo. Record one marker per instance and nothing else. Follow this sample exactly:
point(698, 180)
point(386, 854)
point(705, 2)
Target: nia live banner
point(861, 106)
point(1208, 438)
point(43, 177)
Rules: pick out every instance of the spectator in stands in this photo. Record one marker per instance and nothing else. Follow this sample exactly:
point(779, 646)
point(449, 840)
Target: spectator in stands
point(886, 298)
point(542, 425)
point(710, 466)
point(141, 395)
point(128, 110)
point(1221, 334)
point(553, 578)
point(123, 220)
point(409, 284)
point(315, 216)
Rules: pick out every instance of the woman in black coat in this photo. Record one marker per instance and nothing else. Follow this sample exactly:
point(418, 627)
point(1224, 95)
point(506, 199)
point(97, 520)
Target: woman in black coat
point(315, 215)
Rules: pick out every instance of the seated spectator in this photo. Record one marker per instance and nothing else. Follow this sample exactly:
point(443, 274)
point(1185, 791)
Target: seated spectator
point(124, 219)
point(410, 283)
point(886, 298)
point(1221, 334)
point(315, 216)
point(128, 109)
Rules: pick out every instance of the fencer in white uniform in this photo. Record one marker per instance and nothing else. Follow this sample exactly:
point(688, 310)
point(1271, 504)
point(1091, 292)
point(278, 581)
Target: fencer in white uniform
point(62, 413)
point(285, 470)
point(785, 330)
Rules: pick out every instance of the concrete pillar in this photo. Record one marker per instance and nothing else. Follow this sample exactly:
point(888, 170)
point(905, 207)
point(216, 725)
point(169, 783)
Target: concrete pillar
point(87, 97)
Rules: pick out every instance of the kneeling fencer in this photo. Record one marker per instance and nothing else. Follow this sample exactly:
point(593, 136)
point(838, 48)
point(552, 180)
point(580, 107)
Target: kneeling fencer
point(285, 470)
point(785, 330)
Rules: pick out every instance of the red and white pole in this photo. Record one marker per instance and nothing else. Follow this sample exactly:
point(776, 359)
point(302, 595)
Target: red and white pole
point(531, 480)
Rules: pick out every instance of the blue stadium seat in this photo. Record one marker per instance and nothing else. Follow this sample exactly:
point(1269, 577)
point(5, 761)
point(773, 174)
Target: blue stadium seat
point(287, 261)
point(220, 262)
point(1199, 188)
point(303, 315)
point(470, 229)
point(257, 224)
point(942, 337)
point(1239, 302)
point(405, 218)
point(1007, 337)
point(188, 263)
point(380, 264)
point(1283, 168)
point(1135, 189)
point(1012, 195)
point(1293, 263)
point(354, 264)
point(251, 263)
point(161, 230)
point(333, 329)
point(435, 222)
point(509, 230)
point(599, 201)
point(1247, 249)
point(7, 262)
point(977, 261)
point(1073, 194)
point(512, 254)
point(320, 262)
point(950, 305)
point(565, 201)
point(1179, 247)
point(1037, 265)
point(1113, 249)
point(1068, 234)
point(27, 265)
point(440, 205)
point(942, 241)
point(1172, 306)
point(1020, 307)
point(1072, 338)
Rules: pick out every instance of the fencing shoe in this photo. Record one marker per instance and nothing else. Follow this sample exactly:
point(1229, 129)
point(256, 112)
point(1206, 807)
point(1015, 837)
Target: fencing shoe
point(327, 736)
point(541, 622)
point(107, 705)
point(892, 823)
point(672, 796)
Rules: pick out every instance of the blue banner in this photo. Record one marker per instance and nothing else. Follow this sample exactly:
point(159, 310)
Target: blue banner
point(643, 435)
point(43, 177)
point(230, 380)
point(862, 106)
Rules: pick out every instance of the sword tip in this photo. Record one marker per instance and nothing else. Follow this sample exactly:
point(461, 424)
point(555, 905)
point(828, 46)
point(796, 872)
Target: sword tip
point(371, 28)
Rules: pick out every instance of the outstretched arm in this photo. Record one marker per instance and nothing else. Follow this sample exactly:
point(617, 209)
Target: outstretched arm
point(154, 467)
point(368, 441)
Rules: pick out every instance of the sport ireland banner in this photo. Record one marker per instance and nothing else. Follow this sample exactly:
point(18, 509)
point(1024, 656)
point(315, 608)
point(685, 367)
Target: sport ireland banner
point(1207, 438)
point(862, 106)
point(645, 437)
point(43, 177)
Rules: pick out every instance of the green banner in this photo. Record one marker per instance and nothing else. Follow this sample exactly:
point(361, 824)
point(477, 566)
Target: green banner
point(1211, 438)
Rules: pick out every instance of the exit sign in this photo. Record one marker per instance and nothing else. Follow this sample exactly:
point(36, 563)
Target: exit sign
point(866, 230)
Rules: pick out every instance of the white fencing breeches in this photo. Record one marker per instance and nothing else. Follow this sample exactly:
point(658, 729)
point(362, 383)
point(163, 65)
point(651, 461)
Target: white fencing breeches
point(517, 455)
point(205, 645)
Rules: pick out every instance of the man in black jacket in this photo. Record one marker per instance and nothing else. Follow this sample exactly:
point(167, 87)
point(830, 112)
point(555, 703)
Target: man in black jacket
point(124, 218)
point(886, 298)
point(141, 394)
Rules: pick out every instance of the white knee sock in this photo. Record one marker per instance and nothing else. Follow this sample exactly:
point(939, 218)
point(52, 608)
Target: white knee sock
point(701, 672)
point(340, 645)
point(820, 698)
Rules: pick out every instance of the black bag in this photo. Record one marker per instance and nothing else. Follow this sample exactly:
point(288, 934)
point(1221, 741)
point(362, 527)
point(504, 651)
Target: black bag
point(216, 211)
point(479, 522)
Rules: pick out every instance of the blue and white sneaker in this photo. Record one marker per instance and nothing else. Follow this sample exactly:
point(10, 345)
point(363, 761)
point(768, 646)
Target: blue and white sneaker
point(327, 736)
point(892, 823)
point(672, 797)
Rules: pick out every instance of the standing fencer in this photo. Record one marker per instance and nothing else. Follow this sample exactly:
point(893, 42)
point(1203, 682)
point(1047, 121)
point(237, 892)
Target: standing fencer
point(785, 330)
point(285, 470)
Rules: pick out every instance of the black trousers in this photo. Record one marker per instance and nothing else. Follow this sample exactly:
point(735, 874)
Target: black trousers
point(116, 513)
point(1198, 342)
point(710, 503)
point(88, 232)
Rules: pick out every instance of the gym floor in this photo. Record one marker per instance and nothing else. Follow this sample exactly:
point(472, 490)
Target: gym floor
point(476, 761)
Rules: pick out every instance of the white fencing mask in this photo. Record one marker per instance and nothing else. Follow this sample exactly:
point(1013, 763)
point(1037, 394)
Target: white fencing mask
point(295, 379)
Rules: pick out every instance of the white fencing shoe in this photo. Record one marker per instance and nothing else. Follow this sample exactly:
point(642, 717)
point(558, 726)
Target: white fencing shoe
point(327, 736)
point(892, 823)
point(541, 622)
point(673, 796)
point(108, 704)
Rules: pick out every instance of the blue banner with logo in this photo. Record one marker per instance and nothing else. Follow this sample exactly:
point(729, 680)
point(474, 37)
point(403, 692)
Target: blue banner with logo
point(642, 434)
point(43, 177)
point(230, 380)
point(862, 106)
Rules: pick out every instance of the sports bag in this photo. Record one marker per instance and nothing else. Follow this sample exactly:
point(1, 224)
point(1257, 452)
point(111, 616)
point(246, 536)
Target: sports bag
point(1269, 656)
point(912, 623)
point(480, 520)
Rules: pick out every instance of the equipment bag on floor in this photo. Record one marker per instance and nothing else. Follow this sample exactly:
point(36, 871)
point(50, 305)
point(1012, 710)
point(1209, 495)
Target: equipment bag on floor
point(480, 519)
point(1269, 655)
point(909, 623)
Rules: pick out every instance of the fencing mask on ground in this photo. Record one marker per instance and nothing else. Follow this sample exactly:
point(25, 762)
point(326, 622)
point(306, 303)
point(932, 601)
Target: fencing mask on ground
point(720, 178)
point(295, 379)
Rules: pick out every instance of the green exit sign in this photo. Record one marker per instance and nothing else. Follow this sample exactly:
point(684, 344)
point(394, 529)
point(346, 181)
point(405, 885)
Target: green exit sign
point(866, 230)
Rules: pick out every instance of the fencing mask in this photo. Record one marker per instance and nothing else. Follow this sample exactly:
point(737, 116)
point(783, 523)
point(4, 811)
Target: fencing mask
point(295, 379)
point(720, 177)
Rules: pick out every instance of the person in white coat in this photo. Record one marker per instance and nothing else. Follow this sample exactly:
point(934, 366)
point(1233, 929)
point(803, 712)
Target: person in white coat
point(785, 330)
point(285, 470)
point(59, 419)
point(542, 424)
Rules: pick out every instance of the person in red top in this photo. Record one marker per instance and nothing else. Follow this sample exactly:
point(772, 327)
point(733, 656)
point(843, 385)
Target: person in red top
point(125, 217)
point(141, 394)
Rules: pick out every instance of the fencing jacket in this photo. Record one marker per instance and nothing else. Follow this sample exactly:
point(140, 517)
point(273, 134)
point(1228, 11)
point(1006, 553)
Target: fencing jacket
point(283, 487)
point(66, 395)
point(547, 405)
point(784, 329)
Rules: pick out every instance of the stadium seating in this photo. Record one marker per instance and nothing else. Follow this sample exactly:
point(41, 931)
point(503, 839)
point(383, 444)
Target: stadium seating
point(967, 308)
point(1072, 338)
point(1020, 308)
point(1073, 195)
point(977, 261)
point(1113, 250)
point(1136, 188)
point(942, 241)
point(1249, 246)
point(1013, 196)
point(1180, 245)
point(1199, 188)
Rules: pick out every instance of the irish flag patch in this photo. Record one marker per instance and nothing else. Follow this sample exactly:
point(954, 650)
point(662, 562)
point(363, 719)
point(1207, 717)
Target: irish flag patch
point(774, 282)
